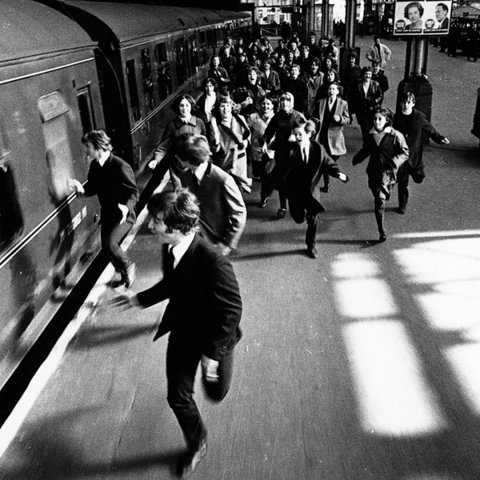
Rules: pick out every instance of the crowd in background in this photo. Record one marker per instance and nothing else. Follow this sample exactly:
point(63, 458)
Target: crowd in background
point(262, 112)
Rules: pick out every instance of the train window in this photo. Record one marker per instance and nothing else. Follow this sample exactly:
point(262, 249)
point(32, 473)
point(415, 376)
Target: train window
point(164, 81)
point(132, 90)
point(147, 80)
point(54, 113)
point(181, 61)
point(51, 106)
point(11, 218)
point(194, 54)
point(161, 52)
point(84, 101)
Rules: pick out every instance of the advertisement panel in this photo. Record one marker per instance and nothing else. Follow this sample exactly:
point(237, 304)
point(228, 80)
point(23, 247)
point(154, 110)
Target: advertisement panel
point(425, 17)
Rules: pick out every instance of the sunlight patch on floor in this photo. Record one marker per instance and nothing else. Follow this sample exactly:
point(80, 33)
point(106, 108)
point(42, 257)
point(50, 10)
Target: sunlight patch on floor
point(450, 269)
point(393, 396)
point(394, 399)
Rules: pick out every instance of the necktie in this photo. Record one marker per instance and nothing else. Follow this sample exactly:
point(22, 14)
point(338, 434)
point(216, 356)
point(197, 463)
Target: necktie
point(195, 183)
point(168, 261)
point(305, 155)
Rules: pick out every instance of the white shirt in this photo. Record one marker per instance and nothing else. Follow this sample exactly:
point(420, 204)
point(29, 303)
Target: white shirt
point(180, 249)
point(209, 104)
point(365, 87)
point(200, 171)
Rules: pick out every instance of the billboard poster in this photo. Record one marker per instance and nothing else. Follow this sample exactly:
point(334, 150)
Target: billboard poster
point(425, 17)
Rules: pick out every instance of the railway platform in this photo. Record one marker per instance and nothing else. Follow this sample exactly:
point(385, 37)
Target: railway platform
point(361, 364)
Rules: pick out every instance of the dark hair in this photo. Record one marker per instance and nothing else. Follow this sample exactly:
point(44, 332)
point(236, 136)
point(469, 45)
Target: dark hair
point(210, 80)
point(193, 149)
point(407, 96)
point(271, 98)
point(376, 62)
point(443, 6)
point(307, 125)
point(98, 139)
point(366, 69)
point(180, 209)
point(410, 5)
point(386, 112)
point(176, 102)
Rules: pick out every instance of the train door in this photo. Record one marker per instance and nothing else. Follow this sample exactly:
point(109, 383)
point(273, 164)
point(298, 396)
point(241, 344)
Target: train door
point(11, 218)
point(53, 113)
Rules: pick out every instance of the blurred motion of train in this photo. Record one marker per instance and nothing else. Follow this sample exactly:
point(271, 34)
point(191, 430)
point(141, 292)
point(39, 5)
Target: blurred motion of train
point(67, 67)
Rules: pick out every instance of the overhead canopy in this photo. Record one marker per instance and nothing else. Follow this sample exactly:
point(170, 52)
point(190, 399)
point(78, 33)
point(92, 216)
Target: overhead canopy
point(29, 29)
point(129, 21)
point(466, 12)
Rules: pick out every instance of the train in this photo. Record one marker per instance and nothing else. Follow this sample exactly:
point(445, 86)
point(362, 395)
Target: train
point(68, 67)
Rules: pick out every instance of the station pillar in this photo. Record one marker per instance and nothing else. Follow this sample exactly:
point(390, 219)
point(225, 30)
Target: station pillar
point(350, 24)
point(415, 79)
point(325, 31)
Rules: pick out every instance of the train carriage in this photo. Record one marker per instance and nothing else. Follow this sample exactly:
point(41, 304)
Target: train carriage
point(147, 55)
point(68, 67)
point(49, 95)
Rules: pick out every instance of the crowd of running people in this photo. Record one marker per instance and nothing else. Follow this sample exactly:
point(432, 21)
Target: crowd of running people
point(274, 114)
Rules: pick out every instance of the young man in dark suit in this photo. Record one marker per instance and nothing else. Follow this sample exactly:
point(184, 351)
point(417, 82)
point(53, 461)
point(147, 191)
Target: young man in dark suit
point(113, 181)
point(308, 162)
point(222, 210)
point(367, 97)
point(415, 126)
point(203, 315)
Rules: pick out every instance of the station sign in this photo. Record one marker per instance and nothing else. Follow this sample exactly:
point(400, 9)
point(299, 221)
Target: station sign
point(425, 17)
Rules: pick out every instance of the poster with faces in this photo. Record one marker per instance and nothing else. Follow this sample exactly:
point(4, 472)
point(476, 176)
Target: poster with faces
point(424, 17)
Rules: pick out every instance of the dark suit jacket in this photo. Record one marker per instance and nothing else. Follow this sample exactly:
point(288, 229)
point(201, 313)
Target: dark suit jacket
point(205, 307)
point(303, 180)
point(300, 93)
point(222, 210)
point(114, 183)
point(413, 134)
point(365, 104)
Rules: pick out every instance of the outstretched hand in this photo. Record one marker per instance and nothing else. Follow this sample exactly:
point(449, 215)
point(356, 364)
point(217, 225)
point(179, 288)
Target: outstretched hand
point(343, 177)
point(209, 369)
point(124, 300)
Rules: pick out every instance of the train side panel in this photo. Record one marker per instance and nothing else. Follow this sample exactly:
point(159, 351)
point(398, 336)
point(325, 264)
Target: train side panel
point(43, 118)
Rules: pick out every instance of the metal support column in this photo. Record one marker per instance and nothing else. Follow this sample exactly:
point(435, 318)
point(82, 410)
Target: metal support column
point(326, 33)
point(350, 24)
point(415, 79)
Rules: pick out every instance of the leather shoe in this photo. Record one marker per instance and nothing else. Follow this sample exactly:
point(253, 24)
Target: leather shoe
point(189, 461)
point(312, 251)
point(382, 237)
point(401, 210)
point(281, 213)
point(325, 189)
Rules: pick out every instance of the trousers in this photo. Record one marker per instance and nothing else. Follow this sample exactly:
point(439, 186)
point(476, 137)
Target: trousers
point(182, 364)
point(112, 235)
